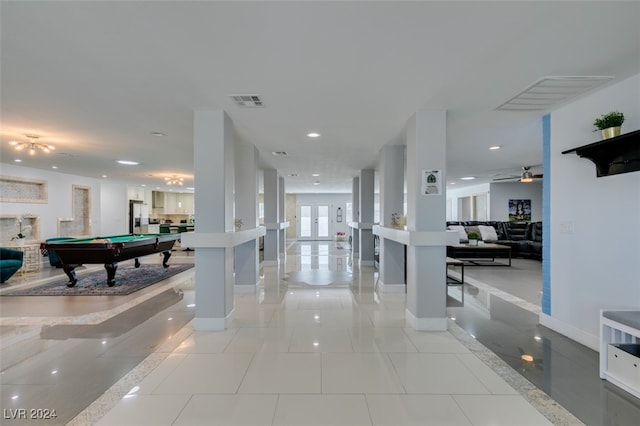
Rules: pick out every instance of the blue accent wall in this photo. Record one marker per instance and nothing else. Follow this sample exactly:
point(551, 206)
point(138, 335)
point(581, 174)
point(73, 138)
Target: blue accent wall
point(546, 215)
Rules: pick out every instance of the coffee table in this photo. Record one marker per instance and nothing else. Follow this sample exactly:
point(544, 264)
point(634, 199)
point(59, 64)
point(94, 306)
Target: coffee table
point(481, 255)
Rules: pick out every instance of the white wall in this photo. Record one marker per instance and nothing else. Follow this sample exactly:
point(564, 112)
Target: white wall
point(595, 241)
point(334, 201)
point(502, 192)
point(109, 210)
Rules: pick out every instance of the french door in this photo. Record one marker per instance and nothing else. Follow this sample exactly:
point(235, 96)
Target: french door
point(313, 222)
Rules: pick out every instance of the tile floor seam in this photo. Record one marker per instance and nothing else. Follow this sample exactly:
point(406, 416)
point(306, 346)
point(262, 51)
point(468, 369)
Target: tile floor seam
point(489, 391)
point(395, 371)
point(253, 357)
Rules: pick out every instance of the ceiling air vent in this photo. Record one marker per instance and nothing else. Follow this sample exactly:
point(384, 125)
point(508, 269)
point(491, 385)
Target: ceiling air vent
point(247, 101)
point(279, 153)
point(554, 90)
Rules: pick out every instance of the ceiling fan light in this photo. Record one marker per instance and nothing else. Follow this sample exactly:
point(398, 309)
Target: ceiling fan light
point(526, 180)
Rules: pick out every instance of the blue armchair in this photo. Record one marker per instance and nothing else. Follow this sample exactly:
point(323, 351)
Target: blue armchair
point(10, 262)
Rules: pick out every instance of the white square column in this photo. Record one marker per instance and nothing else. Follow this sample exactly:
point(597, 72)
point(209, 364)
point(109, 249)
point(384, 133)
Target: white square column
point(426, 213)
point(355, 213)
point(392, 259)
point(366, 216)
point(247, 260)
point(214, 180)
point(271, 217)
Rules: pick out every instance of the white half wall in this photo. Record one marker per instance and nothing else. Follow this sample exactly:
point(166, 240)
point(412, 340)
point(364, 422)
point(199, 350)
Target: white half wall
point(595, 242)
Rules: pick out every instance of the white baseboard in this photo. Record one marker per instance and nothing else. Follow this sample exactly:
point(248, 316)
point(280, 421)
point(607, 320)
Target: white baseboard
point(425, 324)
point(574, 333)
point(391, 288)
point(213, 324)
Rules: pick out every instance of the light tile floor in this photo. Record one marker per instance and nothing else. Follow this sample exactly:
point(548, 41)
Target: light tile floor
point(316, 346)
point(329, 354)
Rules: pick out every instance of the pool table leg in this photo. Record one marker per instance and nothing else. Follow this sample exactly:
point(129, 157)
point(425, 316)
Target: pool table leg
point(111, 273)
point(136, 263)
point(69, 270)
point(167, 255)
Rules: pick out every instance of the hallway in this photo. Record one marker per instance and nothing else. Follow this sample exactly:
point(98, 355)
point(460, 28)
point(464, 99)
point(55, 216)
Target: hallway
point(317, 345)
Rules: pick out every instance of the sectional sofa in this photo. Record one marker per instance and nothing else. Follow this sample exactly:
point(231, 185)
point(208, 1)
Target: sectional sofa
point(524, 238)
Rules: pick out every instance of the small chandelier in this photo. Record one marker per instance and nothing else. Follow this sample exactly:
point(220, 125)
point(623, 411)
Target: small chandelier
point(32, 145)
point(174, 180)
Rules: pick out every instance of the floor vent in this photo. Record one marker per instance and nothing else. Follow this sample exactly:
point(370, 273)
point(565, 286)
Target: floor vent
point(550, 91)
point(247, 101)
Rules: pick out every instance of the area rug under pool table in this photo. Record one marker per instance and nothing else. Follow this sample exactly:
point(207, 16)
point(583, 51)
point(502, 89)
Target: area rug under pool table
point(128, 280)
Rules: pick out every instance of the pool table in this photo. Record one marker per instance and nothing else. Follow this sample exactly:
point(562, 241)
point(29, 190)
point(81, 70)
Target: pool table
point(109, 251)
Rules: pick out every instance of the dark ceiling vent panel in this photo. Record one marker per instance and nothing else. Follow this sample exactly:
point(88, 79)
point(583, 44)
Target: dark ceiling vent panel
point(247, 101)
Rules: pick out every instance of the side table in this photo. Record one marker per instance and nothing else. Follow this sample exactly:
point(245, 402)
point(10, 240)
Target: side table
point(31, 259)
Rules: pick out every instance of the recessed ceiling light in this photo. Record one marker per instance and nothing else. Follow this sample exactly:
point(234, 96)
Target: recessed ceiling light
point(452, 183)
point(54, 167)
point(493, 148)
point(316, 182)
point(104, 176)
point(128, 162)
point(17, 160)
point(315, 174)
point(158, 134)
point(313, 135)
point(468, 178)
point(144, 184)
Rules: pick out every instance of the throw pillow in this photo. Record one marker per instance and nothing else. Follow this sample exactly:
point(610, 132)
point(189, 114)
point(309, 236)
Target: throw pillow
point(488, 233)
point(461, 231)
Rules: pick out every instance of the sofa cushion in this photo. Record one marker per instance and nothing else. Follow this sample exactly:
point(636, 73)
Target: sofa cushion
point(488, 233)
point(461, 231)
point(517, 231)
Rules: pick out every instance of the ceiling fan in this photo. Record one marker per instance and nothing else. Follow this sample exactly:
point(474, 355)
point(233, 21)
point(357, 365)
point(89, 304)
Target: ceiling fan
point(525, 177)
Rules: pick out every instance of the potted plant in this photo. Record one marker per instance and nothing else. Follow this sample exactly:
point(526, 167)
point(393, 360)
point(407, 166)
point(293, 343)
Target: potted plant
point(609, 124)
point(473, 238)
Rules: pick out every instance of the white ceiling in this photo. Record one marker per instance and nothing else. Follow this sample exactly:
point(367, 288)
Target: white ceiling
point(95, 78)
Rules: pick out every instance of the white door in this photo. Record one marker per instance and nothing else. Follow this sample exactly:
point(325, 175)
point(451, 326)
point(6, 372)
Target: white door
point(314, 222)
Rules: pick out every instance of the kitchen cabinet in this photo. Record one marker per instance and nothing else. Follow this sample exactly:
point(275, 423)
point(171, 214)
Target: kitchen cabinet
point(138, 193)
point(178, 203)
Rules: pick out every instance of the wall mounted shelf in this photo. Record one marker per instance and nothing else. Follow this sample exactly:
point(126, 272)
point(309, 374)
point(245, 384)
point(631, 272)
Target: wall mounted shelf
point(613, 156)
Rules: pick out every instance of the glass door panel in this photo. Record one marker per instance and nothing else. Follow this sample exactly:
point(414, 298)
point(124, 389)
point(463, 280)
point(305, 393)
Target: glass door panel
point(305, 222)
point(322, 219)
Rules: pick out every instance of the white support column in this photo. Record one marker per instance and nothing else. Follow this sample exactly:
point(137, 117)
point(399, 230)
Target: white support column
point(246, 195)
point(355, 208)
point(366, 216)
point(214, 178)
point(281, 218)
point(271, 217)
point(392, 258)
point(426, 264)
